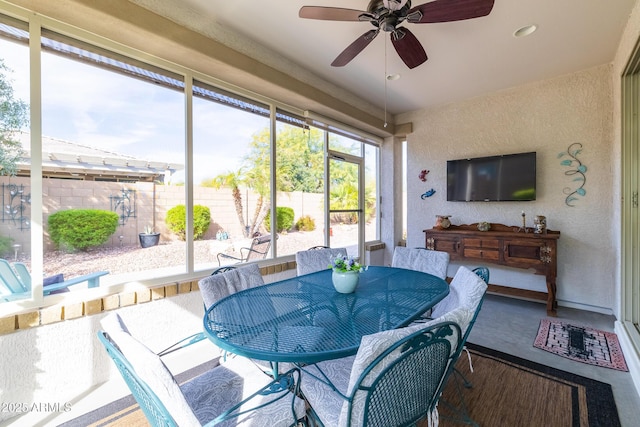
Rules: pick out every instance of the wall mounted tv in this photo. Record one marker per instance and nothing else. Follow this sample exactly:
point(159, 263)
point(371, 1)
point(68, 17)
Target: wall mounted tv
point(510, 177)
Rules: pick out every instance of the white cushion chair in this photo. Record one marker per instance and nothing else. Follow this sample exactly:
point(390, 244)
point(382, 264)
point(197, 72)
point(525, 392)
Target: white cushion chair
point(235, 390)
point(386, 382)
point(313, 260)
point(217, 286)
point(419, 259)
point(466, 290)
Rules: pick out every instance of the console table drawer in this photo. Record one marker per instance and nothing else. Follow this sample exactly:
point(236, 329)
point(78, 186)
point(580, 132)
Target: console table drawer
point(482, 254)
point(482, 243)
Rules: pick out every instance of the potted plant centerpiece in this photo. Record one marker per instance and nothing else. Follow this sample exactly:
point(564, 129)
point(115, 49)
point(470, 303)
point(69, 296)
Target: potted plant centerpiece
point(346, 271)
point(149, 237)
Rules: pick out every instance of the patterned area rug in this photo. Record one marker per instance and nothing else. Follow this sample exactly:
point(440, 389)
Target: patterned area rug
point(582, 344)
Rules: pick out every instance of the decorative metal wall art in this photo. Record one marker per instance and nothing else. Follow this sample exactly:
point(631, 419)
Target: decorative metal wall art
point(578, 170)
point(428, 193)
point(124, 204)
point(15, 201)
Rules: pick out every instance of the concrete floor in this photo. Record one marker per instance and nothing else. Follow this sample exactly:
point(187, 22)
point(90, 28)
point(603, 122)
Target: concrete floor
point(510, 325)
point(505, 324)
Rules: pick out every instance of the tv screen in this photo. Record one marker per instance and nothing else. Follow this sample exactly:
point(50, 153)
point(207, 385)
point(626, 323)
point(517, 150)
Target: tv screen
point(509, 177)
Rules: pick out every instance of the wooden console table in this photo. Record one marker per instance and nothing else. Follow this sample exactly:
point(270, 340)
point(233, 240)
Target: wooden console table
point(503, 245)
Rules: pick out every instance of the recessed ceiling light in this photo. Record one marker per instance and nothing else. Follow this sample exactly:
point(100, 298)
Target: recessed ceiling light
point(525, 31)
point(392, 77)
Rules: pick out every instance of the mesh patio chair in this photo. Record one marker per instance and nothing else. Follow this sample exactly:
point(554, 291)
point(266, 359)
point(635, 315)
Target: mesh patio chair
point(483, 273)
point(420, 259)
point(258, 250)
point(316, 259)
point(223, 282)
point(233, 393)
point(395, 379)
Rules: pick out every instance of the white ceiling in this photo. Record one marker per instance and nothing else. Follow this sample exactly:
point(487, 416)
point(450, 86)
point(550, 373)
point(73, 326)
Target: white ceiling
point(466, 58)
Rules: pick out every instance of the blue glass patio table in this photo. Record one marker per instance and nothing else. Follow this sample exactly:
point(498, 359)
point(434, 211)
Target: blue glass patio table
point(304, 320)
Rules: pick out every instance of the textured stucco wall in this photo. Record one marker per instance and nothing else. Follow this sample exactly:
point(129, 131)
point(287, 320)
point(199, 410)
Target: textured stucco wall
point(545, 117)
point(57, 363)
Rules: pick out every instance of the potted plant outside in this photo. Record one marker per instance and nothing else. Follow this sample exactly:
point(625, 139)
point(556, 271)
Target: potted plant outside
point(148, 237)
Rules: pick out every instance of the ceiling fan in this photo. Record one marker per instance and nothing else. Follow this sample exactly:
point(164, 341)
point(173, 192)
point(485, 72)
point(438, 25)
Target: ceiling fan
point(387, 15)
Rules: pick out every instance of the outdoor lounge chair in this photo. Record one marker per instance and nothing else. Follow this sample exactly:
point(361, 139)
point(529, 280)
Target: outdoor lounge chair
point(17, 280)
point(258, 250)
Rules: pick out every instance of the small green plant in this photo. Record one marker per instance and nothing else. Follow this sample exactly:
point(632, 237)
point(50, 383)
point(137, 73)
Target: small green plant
point(284, 219)
point(306, 223)
point(177, 219)
point(148, 229)
point(5, 244)
point(81, 229)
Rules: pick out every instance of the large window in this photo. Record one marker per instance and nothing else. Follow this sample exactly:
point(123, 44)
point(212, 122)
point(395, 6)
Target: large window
point(195, 169)
point(231, 172)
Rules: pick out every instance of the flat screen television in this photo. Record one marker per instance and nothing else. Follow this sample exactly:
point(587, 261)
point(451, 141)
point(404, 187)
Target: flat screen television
point(510, 177)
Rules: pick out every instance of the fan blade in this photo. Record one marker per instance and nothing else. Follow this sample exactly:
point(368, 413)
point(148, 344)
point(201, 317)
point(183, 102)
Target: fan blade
point(355, 48)
point(330, 13)
point(408, 47)
point(449, 10)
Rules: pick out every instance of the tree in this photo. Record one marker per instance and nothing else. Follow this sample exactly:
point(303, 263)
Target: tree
point(13, 117)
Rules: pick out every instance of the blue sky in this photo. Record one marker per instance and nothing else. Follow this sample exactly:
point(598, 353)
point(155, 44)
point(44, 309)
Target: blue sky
point(92, 106)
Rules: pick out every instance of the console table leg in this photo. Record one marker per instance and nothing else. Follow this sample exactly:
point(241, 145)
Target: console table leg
point(552, 304)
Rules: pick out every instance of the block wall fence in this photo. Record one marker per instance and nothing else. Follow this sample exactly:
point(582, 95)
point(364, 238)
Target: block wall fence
point(149, 201)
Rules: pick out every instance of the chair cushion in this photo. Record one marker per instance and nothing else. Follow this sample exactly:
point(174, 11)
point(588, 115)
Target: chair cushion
point(213, 288)
point(314, 260)
point(466, 289)
point(235, 380)
point(151, 370)
point(431, 262)
point(323, 399)
point(52, 280)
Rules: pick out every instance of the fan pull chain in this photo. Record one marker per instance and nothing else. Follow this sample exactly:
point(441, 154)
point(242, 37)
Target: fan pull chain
point(385, 81)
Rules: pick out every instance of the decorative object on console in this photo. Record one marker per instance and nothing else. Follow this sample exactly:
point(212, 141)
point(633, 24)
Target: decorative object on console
point(442, 221)
point(540, 224)
point(524, 224)
point(428, 194)
point(423, 175)
point(484, 226)
point(577, 169)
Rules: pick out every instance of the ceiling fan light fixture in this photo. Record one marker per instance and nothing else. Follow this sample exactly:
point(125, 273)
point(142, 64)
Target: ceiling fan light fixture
point(525, 31)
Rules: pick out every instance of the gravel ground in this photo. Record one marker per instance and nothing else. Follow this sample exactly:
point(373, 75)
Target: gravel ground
point(126, 259)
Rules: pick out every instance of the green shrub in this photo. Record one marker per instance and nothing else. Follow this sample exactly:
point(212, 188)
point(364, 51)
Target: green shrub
point(5, 245)
point(284, 219)
point(81, 229)
point(306, 223)
point(177, 221)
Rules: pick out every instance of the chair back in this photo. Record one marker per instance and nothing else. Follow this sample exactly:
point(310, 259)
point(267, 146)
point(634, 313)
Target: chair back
point(420, 259)
point(217, 286)
point(152, 407)
point(397, 381)
point(11, 280)
point(151, 383)
point(466, 290)
point(259, 248)
point(483, 273)
point(313, 260)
